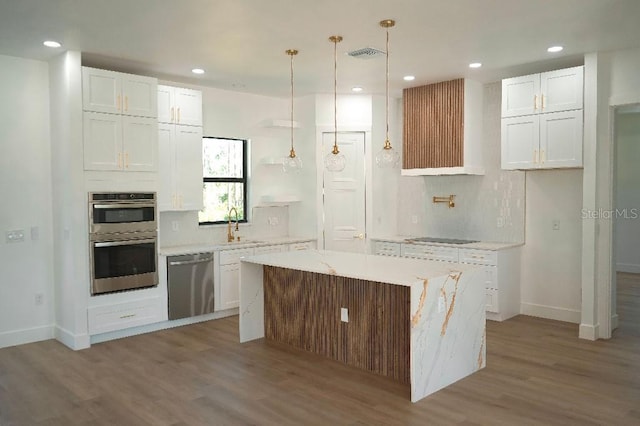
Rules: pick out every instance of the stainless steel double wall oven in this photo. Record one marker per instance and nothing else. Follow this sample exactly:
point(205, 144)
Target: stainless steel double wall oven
point(123, 238)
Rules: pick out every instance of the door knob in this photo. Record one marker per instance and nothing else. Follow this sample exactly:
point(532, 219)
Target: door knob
point(359, 236)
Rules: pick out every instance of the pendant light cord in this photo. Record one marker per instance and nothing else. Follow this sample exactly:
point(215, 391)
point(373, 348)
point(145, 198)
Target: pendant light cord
point(387, 94)
point(335, 95)
point(293, 153)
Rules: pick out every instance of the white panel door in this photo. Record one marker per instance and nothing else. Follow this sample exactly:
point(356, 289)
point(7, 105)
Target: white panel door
point(229, 286)
point(165, 104)
point(140, 95)
point(166, 166)
point(344, 195)
point(101, 90)
point(520, 142)
point(140, 143)
point(188, 105)
point(188, 168)
point(520, 95)
point(102, 141)
point(562, 90)
point(561, 139)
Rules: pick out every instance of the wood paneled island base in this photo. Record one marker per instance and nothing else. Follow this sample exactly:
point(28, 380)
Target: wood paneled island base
point(419, 322)
point(300, 310)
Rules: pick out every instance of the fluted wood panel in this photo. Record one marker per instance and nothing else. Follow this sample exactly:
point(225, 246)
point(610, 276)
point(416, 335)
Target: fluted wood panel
point(302, 309)
point(433, 127)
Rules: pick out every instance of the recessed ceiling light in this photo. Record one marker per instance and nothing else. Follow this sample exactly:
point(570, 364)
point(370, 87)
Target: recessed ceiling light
point(409, 77)
point(555, 49)
point(197, 71)
point(356, 89)
point(475, 65)
point(51, 43)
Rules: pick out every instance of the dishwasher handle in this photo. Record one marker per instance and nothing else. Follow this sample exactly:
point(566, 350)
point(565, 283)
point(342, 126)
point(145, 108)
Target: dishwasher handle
point(191, 262)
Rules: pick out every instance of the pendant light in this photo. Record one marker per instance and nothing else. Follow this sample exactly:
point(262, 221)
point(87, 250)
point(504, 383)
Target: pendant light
point(291, 163)
point(387, 157)
point(334, 161)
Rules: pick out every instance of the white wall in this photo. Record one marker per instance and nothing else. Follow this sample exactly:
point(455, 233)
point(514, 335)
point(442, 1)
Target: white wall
point(627, 201)
point(25, 190)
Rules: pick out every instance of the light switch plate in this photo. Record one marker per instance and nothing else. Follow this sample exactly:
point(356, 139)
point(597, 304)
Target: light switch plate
point(16, 236)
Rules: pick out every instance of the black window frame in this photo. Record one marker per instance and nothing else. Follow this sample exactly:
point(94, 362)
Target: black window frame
point(244, 180)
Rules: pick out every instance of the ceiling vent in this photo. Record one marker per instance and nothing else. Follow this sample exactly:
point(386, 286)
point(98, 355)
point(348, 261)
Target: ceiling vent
point(366, 53)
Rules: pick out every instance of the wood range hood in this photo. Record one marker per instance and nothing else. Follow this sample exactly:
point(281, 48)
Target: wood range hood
point(442, 129)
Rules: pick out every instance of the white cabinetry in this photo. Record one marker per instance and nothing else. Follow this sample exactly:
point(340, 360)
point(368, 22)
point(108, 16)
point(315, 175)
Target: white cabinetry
point(542, 120)
point(177, 105)
point(106, 318)
point(120, 143)
point(180, 166)
point(180, 140)
point(118, 93)
point(227, 274)
point(120, 128)
point(271, 249)
point(428, 252)
point(501, 274)
point(384, 248)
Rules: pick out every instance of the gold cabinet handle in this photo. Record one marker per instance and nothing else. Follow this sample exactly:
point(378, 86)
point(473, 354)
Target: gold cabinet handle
point(126, 160)
point(172, 113)
point(119, 160)
point(126, 103)
point(118, 103)
point(543, 96)
point(535, 156)
point(535, 102)
point(178, 114)
point(542, 156)
point(127, 316)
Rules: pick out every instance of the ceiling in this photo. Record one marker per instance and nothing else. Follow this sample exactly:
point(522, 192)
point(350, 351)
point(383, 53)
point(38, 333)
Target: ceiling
point(241, 43)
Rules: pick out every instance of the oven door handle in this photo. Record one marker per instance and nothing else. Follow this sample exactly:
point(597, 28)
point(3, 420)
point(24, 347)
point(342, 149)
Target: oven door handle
point(123, 243)
point(122, 205)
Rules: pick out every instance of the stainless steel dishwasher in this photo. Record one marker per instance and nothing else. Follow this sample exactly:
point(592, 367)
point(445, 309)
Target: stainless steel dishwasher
point(190, 285)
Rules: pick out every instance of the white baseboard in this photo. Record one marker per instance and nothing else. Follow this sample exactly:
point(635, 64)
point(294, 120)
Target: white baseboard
point(149, 328)
point(27, 335)
point(72, 341)
point(630, 268)
point(550, 312)
point(615, 321)
point(589, 332)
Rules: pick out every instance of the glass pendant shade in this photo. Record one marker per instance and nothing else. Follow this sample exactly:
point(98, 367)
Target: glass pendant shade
point(387, 157)
point(334, 161)
point(291, 163)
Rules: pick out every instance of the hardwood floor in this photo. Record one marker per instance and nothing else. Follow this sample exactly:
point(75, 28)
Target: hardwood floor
point(538, 373)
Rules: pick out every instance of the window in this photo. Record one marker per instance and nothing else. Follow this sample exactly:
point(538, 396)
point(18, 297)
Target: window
point(224, 186)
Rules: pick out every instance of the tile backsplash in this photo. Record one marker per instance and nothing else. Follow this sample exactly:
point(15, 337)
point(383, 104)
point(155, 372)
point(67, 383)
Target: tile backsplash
point(489, 207)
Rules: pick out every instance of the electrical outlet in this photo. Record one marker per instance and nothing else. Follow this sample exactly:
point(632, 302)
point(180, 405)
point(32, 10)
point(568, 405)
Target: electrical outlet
point(555, 225)
point(344, 314)
point(441, 304)
point(39, 298)
point(175, 226)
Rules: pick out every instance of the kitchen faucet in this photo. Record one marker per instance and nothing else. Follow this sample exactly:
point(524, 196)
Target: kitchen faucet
point(230, 236)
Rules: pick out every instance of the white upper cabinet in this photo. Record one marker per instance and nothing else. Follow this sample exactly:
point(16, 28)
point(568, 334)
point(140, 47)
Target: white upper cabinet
point(180, 168)
point(542, 120)
point(177, 105)
point(554, 91)
point(118, 93)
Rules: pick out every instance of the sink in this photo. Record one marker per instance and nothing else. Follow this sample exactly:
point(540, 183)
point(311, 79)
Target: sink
point(440, 240)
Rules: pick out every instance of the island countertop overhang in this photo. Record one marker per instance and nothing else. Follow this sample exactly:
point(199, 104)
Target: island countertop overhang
point(390, 270)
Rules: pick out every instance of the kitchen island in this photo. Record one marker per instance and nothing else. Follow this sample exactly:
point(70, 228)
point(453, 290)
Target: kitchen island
point(419, 322)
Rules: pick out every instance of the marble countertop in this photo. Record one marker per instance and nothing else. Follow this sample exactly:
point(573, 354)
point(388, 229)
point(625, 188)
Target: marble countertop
point(248, 243)
point(391, 270)
point(480, 245)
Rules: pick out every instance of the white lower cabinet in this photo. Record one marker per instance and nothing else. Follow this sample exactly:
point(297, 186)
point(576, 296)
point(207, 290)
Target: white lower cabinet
point(118, 316)
point(500, 271)
point(228, 277)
